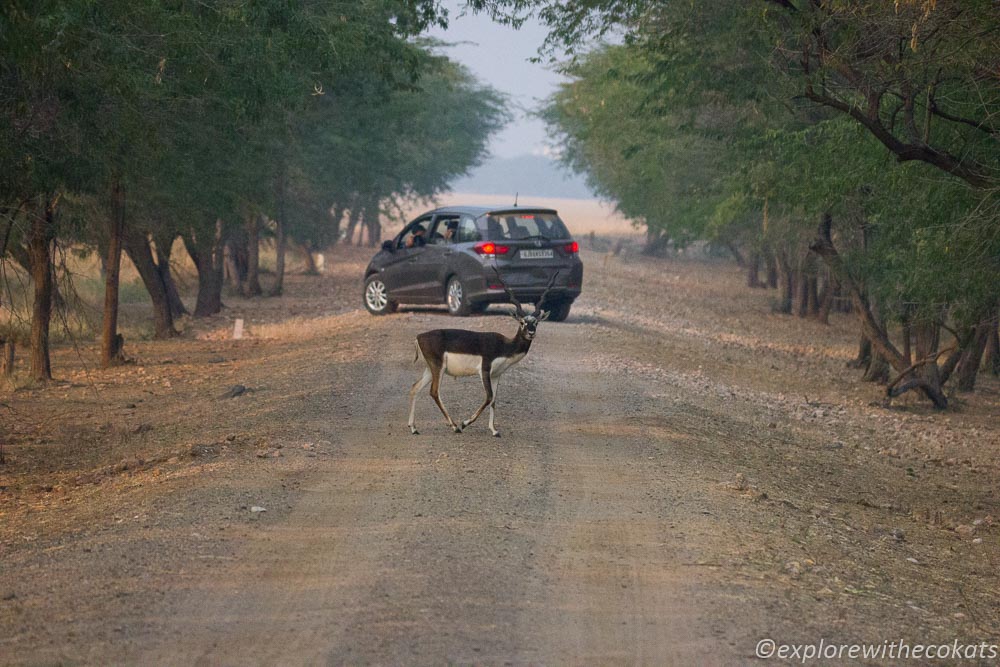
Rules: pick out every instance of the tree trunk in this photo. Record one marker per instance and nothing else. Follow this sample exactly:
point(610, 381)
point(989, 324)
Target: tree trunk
point(336, 217)
point(823, 246)
point(737, 255)
point(40, 237)
point(907, 336)
point(136, 244)
point(281, 242)
point(972, 355)
point(111, 340)
point(307, 255)
point(772, 270)
point(252, 285)
point(206, 250)
point(753, 270)
point(992, 360)
point(787, 282)
point(656, 243)
point(864, 358)
point(280, 247)
point(802, 287)
point(878, 370)
point(926, 341)
point(7, 348)
point(373, 222)
point(352, 223)
point(235, 258)
point(164, 243)
point(826, 300)
point(813, 282)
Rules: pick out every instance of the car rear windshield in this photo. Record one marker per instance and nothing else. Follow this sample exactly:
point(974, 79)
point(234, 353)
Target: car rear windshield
point(515, 226)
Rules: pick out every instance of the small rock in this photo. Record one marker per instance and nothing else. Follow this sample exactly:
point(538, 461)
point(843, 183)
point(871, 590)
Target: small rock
point(230, 437)
point(977, 540)
point(793, 568)
point(216, 360)
point(899, 534)
point(913, 560)
point(965, 530)
point(130, 406)
point(257, 509)
point(739, 483)
point(234, 391)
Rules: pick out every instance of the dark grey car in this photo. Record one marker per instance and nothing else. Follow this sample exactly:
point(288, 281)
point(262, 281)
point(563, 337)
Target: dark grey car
point(452, 255)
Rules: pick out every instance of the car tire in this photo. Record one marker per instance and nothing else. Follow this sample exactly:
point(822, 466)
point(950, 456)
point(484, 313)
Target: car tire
point(376, 296)
point(559, 311)
point(456, 298)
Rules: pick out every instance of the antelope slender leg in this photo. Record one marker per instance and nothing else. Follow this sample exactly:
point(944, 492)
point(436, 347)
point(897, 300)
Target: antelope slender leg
point(435, 394)
point(424, 380)
point(488, 385)
point(496, 385)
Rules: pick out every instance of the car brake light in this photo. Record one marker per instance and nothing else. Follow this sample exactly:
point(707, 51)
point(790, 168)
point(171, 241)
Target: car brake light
point(490, 248)
point(573, 247)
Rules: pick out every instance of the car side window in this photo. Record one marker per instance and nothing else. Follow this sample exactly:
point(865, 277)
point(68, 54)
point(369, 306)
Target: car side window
point(416, 235)
point(466, 230)
point(443, 231)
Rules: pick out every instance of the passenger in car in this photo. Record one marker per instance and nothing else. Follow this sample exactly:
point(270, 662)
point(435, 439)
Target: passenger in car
point(417, 237)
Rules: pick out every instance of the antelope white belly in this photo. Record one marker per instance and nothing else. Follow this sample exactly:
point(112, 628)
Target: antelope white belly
point(460, 365)
point(500, 364)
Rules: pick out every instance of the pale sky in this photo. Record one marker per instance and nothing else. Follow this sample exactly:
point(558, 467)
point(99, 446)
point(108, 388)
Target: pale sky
point(499, 56)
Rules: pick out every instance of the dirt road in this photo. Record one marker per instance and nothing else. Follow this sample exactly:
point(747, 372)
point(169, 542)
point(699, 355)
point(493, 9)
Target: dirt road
point(671, 486)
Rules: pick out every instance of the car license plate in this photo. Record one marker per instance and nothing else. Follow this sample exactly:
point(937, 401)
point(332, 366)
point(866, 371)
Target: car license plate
point(537, 254)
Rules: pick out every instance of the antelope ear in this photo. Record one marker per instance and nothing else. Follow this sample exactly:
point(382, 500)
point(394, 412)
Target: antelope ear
point(544, 316)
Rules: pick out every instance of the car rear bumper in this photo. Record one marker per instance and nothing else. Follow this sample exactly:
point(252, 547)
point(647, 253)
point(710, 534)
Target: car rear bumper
point(526, 295)
point(568, 286)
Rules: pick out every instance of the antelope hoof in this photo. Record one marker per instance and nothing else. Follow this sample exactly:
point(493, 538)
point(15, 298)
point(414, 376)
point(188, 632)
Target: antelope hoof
point(413, 430)
point(458, 429)
point(466, 423)
point(496, 434)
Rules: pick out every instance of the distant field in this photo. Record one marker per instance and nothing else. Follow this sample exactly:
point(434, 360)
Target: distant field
point(581, 215)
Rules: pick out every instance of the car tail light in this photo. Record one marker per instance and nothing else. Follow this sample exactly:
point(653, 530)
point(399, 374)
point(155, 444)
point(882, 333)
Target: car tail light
point(572, 248)
point(490, 248)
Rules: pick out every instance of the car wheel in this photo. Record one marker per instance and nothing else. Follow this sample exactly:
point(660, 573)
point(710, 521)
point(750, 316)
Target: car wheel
point(458, 302)
point(377, 299)
point(559, 311)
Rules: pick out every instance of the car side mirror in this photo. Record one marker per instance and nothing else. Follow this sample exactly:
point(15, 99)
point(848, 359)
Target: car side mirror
point(387, 246)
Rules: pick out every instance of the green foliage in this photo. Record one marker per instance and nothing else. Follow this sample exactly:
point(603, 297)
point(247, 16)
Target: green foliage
point(696, 125)
point(200, 110)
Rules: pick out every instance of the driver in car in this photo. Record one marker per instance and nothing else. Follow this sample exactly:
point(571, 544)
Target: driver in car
point(417, 238)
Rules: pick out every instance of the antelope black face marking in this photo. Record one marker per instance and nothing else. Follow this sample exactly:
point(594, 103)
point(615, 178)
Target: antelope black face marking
point(462, 353)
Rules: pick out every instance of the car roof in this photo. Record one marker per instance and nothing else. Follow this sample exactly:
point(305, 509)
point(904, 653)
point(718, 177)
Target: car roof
point(483, 210)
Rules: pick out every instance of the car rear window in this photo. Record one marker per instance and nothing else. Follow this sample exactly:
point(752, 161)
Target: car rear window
point(515, 226)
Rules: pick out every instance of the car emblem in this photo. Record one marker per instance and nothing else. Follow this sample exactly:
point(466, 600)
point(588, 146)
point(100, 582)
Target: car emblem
point(538, 243)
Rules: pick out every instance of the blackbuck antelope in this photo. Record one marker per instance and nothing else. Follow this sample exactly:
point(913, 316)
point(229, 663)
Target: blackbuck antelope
point(460, 353)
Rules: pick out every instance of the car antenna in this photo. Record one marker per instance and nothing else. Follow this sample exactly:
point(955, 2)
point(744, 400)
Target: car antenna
point(515, 199)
